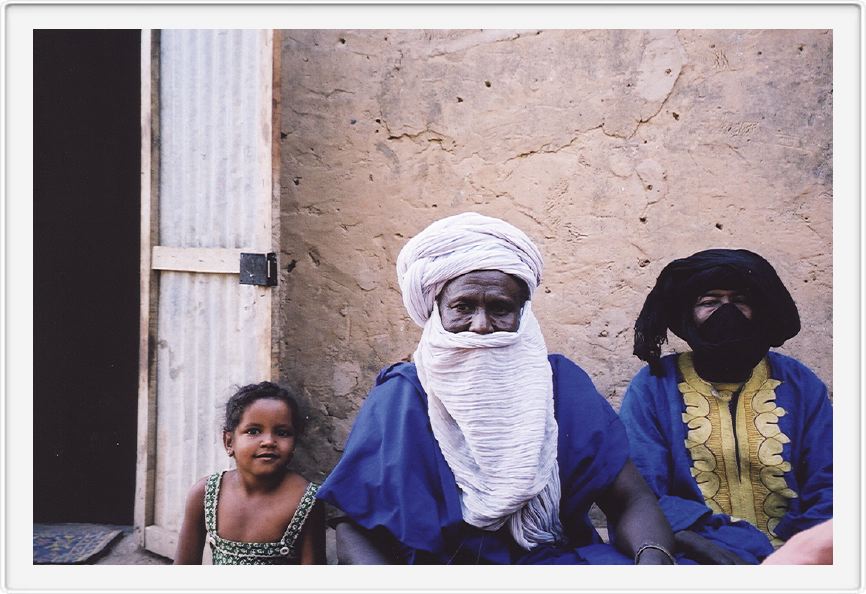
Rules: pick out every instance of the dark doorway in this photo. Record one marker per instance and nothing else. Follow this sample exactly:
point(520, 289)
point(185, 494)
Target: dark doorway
point(86, 252)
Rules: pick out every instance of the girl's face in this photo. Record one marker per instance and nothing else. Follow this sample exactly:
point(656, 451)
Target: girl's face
point(264, 440)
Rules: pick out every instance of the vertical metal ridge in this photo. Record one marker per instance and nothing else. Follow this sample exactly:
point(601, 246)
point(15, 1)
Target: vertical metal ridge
point(223, 175)
point(186, 372)
point(237, 116)
point(194, 393)
point(180, 370)
point(212, 104)
point(209, 411)
point(244, 89)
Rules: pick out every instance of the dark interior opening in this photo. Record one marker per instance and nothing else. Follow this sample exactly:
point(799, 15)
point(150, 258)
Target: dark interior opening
point(86, 255)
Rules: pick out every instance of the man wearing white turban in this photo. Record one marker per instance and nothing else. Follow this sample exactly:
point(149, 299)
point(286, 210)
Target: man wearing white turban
point(487, 449)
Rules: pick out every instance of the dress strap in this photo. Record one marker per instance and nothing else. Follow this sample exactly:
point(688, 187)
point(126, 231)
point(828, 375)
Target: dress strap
point(296, 525)
point(211, 496)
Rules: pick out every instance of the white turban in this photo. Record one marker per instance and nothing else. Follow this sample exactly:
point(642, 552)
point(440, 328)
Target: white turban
point(459, 244)
point(489, 396)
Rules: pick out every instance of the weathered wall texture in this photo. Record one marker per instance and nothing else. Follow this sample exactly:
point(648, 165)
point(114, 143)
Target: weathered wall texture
point(617, 151)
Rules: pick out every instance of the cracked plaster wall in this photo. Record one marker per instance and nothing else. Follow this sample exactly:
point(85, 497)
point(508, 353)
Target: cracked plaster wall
point(617, 151)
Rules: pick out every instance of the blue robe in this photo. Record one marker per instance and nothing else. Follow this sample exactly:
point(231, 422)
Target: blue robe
point(392, 475)
point(653, 412)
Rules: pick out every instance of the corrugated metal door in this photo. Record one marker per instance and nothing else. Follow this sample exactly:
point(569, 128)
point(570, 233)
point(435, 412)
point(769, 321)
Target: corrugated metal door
point(207, 196)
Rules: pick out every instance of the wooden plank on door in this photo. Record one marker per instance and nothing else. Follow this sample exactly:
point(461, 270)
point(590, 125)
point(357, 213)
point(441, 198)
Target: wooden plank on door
point(213, 260)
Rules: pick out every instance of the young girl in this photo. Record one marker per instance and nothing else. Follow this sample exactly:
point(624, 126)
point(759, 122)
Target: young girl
point(262, 513)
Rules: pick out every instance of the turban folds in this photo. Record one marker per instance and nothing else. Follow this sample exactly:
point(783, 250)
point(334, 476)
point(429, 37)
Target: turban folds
point(459, 244)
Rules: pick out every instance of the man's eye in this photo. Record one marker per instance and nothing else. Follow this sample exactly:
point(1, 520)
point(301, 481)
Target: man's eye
point(501, 310)
point(462, 308)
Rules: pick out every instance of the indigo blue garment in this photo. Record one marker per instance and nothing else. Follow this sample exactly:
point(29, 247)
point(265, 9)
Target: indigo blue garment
point(652, 411)
point(392, 475)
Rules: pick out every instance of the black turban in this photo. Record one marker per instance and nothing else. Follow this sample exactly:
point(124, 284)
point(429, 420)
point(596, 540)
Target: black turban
point(670, 303)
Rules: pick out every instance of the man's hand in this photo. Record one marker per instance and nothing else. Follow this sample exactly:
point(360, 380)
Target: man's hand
point(703, 550)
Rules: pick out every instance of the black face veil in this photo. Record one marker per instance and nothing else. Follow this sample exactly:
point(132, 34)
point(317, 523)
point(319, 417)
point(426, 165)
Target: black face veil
point(670, 305)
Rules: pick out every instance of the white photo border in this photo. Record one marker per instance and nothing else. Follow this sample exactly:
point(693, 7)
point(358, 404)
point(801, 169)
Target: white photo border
point(19, 19)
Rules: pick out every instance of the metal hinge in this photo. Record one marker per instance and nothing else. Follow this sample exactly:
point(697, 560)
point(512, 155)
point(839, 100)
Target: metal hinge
point(259, 269)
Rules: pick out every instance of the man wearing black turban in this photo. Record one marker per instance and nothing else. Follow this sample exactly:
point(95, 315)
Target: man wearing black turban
point(735, 439)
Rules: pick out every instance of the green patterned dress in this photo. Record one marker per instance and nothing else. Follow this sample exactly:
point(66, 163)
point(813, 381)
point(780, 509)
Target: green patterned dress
point(231, 552)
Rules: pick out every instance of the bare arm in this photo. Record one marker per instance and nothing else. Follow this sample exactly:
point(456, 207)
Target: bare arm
point(638, 518)
point(313, 537)
point(190, 542)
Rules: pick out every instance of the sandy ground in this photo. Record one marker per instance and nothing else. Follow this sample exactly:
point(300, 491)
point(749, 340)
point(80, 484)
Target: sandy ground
point(125, 551)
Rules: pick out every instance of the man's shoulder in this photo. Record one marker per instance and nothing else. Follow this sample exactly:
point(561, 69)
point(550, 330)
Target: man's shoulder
point(669, 368)
point(581, 411)
point(787, 368)
point(570, 381)
point(559, 363)
point(786, 362)
point(400, 371)
point(397, 386)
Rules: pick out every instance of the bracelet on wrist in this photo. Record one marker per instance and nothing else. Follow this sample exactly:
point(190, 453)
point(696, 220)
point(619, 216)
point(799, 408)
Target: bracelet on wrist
point(658, 547)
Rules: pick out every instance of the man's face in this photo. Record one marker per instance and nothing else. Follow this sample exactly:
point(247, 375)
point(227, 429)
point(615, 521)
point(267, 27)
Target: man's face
point(482, 301)
point(707, 304)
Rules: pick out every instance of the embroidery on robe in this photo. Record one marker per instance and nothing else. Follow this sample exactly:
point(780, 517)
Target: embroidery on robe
point(737, 460)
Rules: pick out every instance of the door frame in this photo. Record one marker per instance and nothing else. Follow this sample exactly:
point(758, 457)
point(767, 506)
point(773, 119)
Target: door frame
point(145, 477)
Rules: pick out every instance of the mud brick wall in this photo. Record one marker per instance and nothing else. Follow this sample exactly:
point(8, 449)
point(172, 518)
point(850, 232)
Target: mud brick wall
point(617, 151)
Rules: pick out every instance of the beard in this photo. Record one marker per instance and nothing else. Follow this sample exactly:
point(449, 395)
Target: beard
point(490, 402)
